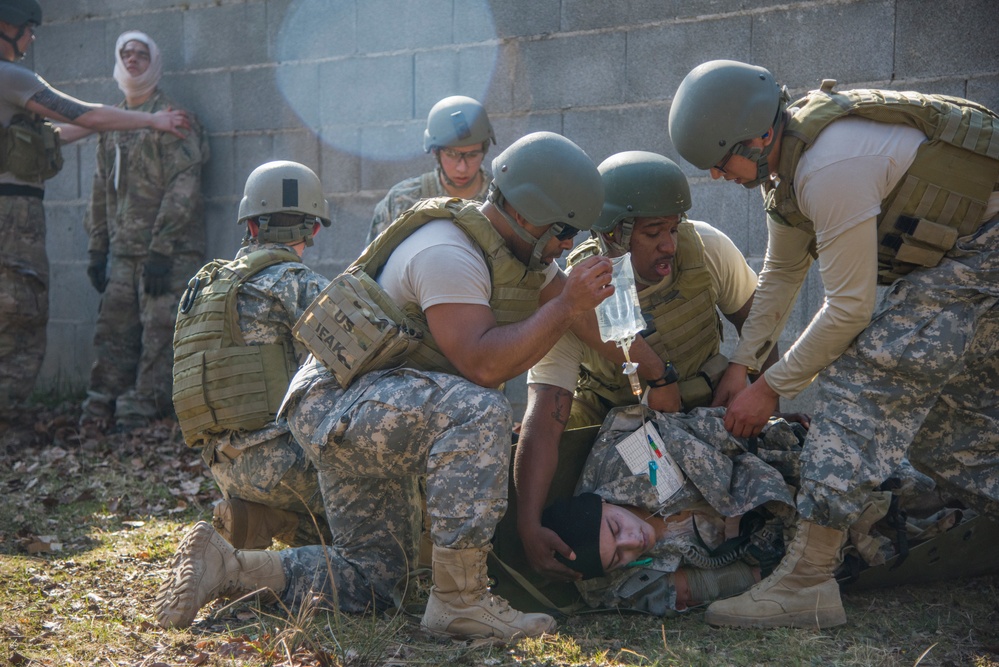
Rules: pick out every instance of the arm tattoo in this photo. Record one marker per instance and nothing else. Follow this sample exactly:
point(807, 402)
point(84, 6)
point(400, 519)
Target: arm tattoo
point(563, 404)
point(60, 103)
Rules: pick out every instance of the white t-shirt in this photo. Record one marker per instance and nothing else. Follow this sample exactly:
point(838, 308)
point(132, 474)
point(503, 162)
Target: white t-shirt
point(439, 263)
point(840, 183)
point(731, 277)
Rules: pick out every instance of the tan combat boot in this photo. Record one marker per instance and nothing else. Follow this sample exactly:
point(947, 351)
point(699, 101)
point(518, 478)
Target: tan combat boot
point(461, 605)
point(206, 568)
point(247, 525)
point(799, 593)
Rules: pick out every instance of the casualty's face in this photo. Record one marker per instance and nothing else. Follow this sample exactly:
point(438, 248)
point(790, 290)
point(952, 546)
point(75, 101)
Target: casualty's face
point(624, 537)
point(135, 56)
point(653, 246)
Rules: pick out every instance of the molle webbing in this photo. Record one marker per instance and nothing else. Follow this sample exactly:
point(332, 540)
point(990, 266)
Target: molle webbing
point(355, 327)
point(943, 194)
point(220, 382)
point(30, 148)
point(685, 329)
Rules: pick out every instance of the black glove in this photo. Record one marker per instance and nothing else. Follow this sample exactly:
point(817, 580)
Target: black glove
point(156, 274)
point(97, 270)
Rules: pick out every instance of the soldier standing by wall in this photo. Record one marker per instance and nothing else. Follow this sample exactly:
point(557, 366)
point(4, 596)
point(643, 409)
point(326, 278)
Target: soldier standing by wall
point(458, 134)
point(147, 237)
point(30, 155)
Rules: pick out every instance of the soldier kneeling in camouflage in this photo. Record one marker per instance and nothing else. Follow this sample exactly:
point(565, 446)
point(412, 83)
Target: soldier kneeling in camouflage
point(410, 344)
point(234, 355)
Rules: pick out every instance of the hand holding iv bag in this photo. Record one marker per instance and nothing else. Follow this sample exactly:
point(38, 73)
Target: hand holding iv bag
point(620, 316)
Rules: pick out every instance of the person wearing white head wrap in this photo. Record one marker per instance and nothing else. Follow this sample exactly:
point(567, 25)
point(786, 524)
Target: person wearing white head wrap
point(147, 237)
point(137, 88)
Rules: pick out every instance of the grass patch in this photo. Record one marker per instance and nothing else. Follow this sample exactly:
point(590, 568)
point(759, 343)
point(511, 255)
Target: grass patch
point(90, 522)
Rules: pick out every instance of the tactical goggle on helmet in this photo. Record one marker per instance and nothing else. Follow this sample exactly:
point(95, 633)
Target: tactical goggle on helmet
point(455, 122)
point(552, 183)
point(284, 187)
point(639, 184)
point(720, 104)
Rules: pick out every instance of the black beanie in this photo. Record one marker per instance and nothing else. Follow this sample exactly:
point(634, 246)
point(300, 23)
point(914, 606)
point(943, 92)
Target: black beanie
point(577, 521)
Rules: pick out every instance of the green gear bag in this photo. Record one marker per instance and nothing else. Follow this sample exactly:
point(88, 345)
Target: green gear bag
point(219, 382)
point(941, 197)
point(30, 148)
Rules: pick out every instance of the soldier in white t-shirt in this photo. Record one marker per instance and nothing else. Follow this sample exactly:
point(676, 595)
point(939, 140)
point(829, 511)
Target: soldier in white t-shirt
point(686, 272)
point(881, 187)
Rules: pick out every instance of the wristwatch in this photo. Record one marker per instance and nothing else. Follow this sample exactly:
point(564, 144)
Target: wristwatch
point(670, 375)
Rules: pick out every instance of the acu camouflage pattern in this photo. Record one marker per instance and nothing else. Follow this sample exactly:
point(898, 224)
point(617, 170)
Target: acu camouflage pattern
point(156, 207)
point(918, 382)
point(267, 465)
point(370, 445)
point(725, 477)
point(24, 298)
point(405, 193)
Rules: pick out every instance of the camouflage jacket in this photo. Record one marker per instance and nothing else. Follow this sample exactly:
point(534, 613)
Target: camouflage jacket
point(406, 193)
point(147, 190)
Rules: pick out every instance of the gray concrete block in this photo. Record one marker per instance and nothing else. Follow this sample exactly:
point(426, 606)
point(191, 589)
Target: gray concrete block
point(68, 357)
point(66, 184)
point(217, 174)
point(66, 239)
point(306, 30)
point(298, 146)
point(249, 152)
point(392, 25)
point(351, 221)
point(262, 91)
point(68, 51)
point(518, 18)
point(963, 32)
point(562, 72)
point(984, 90)
point(511, 128)
point(607, 131)
point(223, 234)
point(600, 15)
point(851, 43)
point(296, 100)
point(340, 168)
point(224, 36)
point(440, 74)
point(651, 76)
point(733, 210)
point(210, 95)
point(391, 153)
point(386, 82)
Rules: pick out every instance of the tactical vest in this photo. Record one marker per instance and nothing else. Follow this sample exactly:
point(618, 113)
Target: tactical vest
point(942, 196)
point(354, 327)
point(684, 328)
point(219, 382)
point(30, 148)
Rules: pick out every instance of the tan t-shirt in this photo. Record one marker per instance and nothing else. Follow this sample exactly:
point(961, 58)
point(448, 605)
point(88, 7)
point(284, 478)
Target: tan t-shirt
point(731, 277)
point(17, 86)
point(840, 183)
point(439, 263)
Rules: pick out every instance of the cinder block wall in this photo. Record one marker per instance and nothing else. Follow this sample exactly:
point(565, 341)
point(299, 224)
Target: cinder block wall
point(344, 86)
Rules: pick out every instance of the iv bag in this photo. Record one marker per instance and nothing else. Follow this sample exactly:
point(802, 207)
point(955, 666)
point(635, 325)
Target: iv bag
point(619, 315)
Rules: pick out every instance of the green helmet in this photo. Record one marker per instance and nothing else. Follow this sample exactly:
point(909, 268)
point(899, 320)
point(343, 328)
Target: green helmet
point(20, 12)
point(719, 104)
point(640, 184)
point(551, 182)
point(284, 187)
point(457, 121)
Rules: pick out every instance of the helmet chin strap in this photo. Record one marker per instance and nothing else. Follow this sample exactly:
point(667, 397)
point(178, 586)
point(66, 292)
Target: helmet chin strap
point(534, 263)
point(18, 54)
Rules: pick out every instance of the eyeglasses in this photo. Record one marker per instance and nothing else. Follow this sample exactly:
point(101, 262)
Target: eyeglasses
point(458, 156)
point(564, 232)
point(724, 161)
point(138, 55)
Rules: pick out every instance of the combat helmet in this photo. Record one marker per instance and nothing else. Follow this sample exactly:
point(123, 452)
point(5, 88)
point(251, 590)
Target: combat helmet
point(457, 121)
point(549, 181)
point(20, 12)
point(640, 184)
point(721, 103)
point(289, 188)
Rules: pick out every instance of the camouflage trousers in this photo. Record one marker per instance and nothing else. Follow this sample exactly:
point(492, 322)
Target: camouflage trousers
point(269, 468)
point(131, 379)
point(919, 381)
point(24, 297)
point(370, 445)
